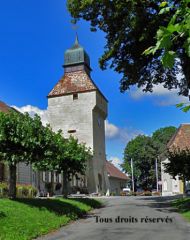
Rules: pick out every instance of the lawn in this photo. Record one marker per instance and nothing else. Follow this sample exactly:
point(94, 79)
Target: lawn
point(183, 206)
point(23, 219)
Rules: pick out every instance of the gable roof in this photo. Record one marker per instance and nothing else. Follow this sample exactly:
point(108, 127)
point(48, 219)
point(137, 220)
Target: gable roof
point(4, 107)
point(181, 138)
point(115, 172)
point(73, 82)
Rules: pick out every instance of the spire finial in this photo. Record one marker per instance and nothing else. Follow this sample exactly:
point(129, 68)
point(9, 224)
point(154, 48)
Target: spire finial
point(76, 40)
point(75, 27)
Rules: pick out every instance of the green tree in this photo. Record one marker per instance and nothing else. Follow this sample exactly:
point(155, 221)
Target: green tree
point(161, 137)
point(141, 150)
point(176, 31)
point(144, 151)
point(130, 28)
point(71, 160)
point(22, 139)
point(68, 158)
point(178, 164)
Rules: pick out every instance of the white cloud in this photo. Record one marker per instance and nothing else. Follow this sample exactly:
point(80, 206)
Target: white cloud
point(32, 111)
point(111, 130)
point(115, 161)
point(124, 134)
point(163, 96)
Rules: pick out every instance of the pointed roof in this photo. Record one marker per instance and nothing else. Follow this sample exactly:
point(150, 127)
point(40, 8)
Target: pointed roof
point(4, 107)
point(73, 82)
point(76, 45)
point(76, 78)
point(181, 138)
point(76, 55)
point(115, 172)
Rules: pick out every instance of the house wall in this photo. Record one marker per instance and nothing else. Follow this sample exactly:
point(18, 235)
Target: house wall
point(116, 185)
point(170, 186)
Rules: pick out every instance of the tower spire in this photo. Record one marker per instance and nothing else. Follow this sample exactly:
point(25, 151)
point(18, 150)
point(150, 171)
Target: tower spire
point(76, 40)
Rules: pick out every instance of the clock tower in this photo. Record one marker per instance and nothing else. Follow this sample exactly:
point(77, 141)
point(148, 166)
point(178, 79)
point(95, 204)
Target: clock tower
point(78, 108)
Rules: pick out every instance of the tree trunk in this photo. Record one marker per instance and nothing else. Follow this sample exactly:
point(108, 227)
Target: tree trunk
point(12, 181)
point(64, 184)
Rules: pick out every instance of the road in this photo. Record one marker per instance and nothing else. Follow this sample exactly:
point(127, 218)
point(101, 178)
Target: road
point(143, 218)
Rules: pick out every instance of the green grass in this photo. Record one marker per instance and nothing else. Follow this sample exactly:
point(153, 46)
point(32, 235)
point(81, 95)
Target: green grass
point(24, 219)
point(183, 206)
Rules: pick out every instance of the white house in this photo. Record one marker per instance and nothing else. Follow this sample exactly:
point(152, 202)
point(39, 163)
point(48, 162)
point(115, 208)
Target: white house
point(181, 140)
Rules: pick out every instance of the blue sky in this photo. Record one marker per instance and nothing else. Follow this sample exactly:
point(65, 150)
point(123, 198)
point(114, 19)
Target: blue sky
point(33, 37)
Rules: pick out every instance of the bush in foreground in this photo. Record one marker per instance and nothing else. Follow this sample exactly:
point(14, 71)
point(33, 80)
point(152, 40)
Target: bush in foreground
point(183, 206)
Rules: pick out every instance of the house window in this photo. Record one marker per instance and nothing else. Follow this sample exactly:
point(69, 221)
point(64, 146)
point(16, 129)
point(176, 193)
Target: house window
point(72, 131)
point(75, 96)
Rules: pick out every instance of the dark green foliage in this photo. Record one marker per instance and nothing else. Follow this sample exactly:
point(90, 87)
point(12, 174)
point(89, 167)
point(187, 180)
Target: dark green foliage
point(161, 137)
point(183, 206)
point(144, 151)
point(23, 139)
point(69, 157)
point(178, 163)
point(130, 29)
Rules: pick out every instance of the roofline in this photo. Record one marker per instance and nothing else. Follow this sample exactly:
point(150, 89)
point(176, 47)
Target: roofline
point(77, 64)
point(99, 90)
point(175, 134)
point(118, 177)
point(65, 94)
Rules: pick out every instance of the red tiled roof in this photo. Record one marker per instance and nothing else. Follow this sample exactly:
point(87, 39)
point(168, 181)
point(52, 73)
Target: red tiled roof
point(73, 82)
point(4, 107)
point(114, 172)
point(181, 138)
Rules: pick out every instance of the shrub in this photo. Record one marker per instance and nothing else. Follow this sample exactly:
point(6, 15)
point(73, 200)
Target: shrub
point(112, 194)
point(147, 193)
point(156, 193)
point(3, 189)
point(123, 194)
point(22, 191)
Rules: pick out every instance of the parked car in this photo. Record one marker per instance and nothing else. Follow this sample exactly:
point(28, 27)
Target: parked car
point(126, 190)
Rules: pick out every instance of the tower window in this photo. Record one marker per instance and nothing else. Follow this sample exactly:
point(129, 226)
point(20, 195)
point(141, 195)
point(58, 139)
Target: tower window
point(75, 96)
point(71, 131)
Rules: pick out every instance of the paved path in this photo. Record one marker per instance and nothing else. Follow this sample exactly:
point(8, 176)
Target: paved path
point(133, 210)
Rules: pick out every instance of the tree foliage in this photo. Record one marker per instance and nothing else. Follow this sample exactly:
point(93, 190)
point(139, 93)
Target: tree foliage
point(25, 139)
point(141, 151)
point(177, 31)
point(69, 158)
point(178, 164)
point(161, 137)
point(144, 151)
point(132, 27)
point(22, 139)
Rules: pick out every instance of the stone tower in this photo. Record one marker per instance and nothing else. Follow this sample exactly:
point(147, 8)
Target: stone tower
point(77, 107)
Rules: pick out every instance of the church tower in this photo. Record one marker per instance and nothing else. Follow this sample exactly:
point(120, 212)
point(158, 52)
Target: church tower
point(78, 108)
